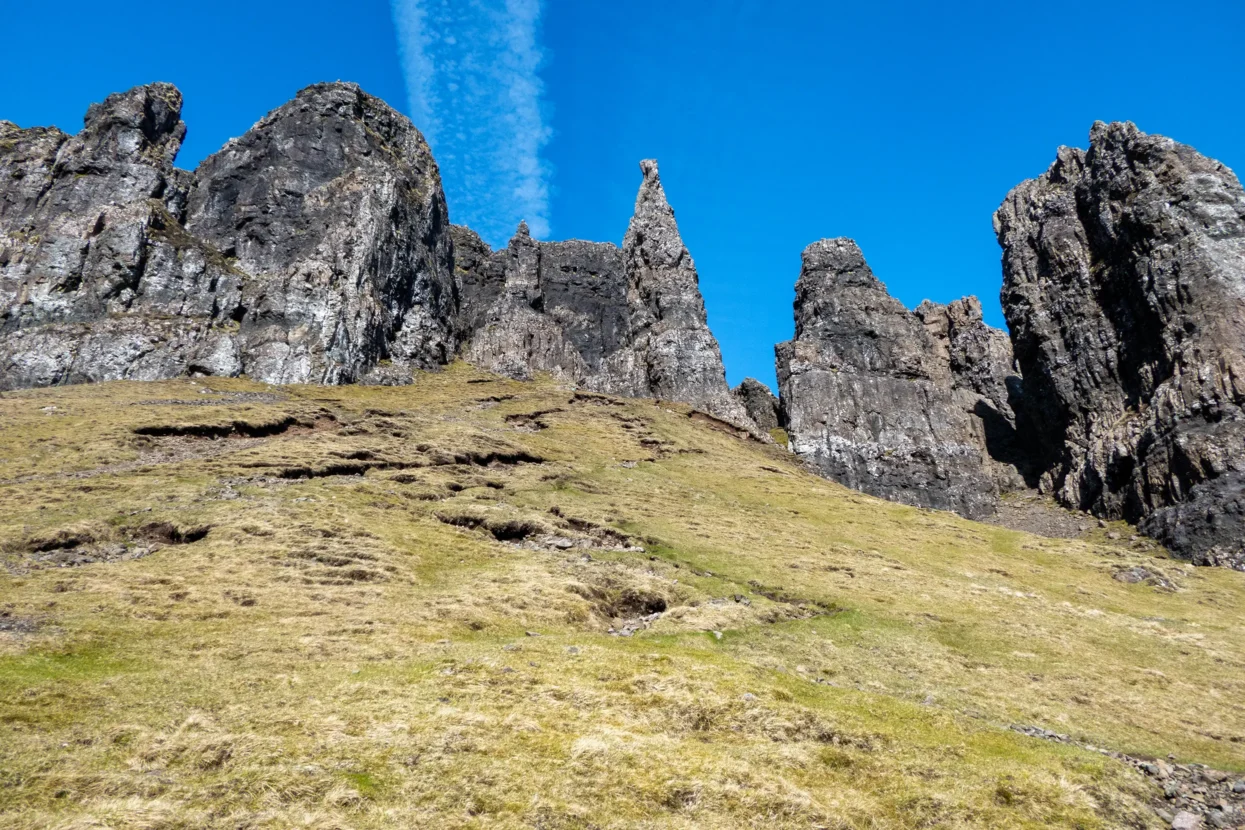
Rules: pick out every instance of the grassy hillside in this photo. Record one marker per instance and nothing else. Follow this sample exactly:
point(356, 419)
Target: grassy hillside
point(482, 603)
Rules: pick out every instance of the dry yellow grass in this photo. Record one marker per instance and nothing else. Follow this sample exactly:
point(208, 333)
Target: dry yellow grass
point(348, 645)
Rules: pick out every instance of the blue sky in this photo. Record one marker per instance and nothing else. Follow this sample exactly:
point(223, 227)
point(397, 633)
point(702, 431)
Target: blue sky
point(900, 124)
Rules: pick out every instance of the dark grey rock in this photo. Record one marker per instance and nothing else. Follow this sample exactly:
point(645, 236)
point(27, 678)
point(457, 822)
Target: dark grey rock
point(985, 383)
point(480, 277)
point(1124, 287)
point(760, 404)
point(556, 307)
point(332, 204)
point(678, 354)
point(98, 280)
point(316, 248)
point(869, 393)
point(308, 250)
point(627, 321)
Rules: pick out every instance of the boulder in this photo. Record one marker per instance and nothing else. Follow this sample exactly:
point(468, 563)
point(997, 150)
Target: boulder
point(760, 404)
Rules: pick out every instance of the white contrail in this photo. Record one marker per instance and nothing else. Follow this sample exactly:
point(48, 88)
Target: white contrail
point(471, 69)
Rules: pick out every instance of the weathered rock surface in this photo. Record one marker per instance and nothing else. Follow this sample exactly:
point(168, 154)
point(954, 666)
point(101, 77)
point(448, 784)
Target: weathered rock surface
point(332, 204)
point(760, 404)
point(984, 383)
point(97, 278)
point(882, 399)
point(306, 251)
point(1124, 287)
point(317, 248)
point(679, 354)
point(556, 307)
point(627, 321)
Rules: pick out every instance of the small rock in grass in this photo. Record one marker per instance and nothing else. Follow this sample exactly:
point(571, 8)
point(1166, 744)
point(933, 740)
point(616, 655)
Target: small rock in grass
point(1185, 820)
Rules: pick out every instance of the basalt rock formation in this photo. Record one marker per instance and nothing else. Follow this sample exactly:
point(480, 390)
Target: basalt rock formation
point(317, 248)
point(1124, 288)
point(97, 278)
point(889, 401)
point(628, 321)
point(332, 205)
point(760, 404)
point(305, 251)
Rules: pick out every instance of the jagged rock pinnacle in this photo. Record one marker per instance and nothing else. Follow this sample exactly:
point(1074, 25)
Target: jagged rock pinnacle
point(1124, 288)
point(870, 395)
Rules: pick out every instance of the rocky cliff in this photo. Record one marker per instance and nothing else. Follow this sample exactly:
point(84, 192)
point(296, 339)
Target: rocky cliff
point(305, 251)
point(627, 321)
point(317, 248)
point(889, 401)
point(1124, 288)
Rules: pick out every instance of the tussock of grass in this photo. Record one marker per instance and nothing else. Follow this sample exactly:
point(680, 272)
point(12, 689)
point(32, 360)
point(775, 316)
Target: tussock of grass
point(353, 647)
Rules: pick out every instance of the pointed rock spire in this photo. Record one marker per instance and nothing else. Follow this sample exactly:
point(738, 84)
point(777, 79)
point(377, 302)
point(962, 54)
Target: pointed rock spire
point(682, 358)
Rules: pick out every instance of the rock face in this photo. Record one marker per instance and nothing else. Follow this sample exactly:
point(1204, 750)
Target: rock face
point(760, 404)
point(885, 400)
point(556, 307)
point(97, 278)
point(627, 321)
point(333, 205)
point(317, 248)
point(1124, 287)
point(984, 383)
point(306, 251)
point(679, 354)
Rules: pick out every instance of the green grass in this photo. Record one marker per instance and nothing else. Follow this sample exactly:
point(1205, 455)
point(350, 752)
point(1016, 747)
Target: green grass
point(333, 654)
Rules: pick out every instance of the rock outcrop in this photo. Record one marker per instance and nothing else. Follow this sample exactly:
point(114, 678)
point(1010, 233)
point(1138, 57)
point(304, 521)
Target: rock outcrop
point(556, 307)
point(885, 400)
point(308, 250)
point(97, 278)
point(760, 404)
point(1124, 287)
point(317, 248)
point(627, 321)
point(679, 354)
point(332, 205)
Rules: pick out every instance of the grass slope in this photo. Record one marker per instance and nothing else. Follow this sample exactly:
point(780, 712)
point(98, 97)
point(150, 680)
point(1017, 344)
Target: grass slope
point(351, 643)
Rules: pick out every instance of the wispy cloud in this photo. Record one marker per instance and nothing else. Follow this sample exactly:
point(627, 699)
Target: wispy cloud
point(471, 70)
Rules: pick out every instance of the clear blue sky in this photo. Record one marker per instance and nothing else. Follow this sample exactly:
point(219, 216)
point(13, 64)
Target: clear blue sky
point(901, 124)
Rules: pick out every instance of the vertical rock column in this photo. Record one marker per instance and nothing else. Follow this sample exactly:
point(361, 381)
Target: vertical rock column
point(1124, 287)
point(679, 354)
